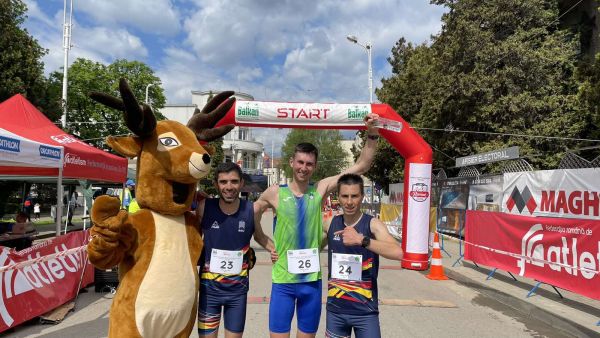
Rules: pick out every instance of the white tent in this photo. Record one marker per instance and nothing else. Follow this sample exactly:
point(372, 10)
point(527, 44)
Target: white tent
point(17, 151)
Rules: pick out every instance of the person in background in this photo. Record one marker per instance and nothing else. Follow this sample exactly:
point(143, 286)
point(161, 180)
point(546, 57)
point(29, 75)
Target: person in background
point(27, 208)
point(128, 200)
point(36, 211)
point(72, 207)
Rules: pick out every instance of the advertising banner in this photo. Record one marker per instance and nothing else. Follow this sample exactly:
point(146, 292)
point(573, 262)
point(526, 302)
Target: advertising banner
point(40, 278)
point(419, 192)
point(297, 114)
point(560, 252)
point(16, 150)
point(572, 193)
point(462, 193)
point(397, 193)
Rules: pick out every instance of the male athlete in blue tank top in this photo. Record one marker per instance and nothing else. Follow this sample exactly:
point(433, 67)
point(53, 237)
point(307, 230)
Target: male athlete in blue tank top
point(228, 224)
point(355, 241)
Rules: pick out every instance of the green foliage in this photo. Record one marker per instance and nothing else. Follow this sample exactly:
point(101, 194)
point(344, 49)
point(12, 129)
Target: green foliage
point(589, 95)
point(496, 66)
point(21, 68)
point(206, 184)
point(85, 76)
point(332, 156)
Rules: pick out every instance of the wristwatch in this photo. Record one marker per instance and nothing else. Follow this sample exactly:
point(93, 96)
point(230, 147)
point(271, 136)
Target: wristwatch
point(366, 241)
point(373, 137)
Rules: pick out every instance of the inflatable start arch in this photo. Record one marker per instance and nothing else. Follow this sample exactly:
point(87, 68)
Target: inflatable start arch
point(416, 152)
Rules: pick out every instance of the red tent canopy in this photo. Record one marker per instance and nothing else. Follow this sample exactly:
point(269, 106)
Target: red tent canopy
point(82, 161)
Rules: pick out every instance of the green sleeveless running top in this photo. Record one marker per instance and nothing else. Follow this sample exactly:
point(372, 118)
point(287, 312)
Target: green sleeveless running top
point(298, 225)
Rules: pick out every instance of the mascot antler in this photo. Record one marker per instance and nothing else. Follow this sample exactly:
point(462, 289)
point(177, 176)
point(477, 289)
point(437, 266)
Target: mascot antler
point(203, 122)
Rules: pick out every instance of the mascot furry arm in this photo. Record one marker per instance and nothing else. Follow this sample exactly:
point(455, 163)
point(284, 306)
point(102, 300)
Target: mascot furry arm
point(157, 247)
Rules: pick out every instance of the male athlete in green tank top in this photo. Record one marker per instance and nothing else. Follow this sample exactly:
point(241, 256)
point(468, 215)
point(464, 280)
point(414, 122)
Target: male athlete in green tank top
point(297, 232)
point(299, 226)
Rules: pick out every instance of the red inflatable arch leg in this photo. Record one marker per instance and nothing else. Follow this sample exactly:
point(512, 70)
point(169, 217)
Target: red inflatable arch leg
point(411, 146)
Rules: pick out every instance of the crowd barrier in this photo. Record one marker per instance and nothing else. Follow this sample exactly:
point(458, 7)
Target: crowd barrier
point(43, 277)
point(563, 253)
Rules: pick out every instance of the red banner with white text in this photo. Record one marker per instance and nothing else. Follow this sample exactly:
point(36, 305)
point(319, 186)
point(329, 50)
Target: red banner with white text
point(38, 279)
point(558, 251)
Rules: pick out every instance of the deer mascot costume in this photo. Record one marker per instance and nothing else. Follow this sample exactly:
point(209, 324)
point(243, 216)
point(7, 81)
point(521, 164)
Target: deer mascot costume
point(157, 247)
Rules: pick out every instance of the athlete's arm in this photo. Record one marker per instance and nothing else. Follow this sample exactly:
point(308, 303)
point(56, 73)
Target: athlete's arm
point(326, 224)
point(268, 199)
point(383, 244)
point(200, 211)
point(363, 163)
point(259, 236)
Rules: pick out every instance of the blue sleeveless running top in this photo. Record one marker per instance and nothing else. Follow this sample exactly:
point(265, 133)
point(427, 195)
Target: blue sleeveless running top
point(226, 232)
point(353, 297)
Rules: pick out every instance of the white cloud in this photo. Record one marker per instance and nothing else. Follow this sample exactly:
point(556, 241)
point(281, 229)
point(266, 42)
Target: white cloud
point(272, 49)
point(156, 17)
point(97, 43)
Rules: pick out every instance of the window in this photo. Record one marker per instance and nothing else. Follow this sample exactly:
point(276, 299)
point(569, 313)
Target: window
point(246, 161)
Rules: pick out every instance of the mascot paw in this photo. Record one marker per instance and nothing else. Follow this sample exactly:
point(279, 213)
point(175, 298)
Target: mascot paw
point(107, 217)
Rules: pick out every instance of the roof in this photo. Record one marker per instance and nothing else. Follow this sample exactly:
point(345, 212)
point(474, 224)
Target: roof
point(81, 160)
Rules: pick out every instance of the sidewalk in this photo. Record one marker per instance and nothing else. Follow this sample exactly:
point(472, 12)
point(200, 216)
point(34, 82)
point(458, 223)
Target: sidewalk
point(574, 314)
point(46, 231)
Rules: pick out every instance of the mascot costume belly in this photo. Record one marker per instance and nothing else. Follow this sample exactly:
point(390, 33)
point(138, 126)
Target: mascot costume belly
point(156, 248)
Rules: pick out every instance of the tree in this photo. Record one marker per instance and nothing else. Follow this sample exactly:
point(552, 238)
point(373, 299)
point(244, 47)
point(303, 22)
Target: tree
point(497, 67)
point(92, 121)
point(589, 95)
point(206, 184)
point(21, 68)
point(332, 156)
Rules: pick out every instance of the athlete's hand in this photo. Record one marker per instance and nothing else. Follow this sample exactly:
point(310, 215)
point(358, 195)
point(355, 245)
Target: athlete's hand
point(350, 237)
point(370, 121)
point(274, 256)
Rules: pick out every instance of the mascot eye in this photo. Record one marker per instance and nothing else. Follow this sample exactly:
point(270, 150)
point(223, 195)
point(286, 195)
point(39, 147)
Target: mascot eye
point(168, 142)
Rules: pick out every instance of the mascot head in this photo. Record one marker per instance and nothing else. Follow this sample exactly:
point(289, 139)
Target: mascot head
point(171, 158)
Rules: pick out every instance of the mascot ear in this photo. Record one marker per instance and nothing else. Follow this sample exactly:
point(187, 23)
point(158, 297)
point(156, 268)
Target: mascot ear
point(128, 146)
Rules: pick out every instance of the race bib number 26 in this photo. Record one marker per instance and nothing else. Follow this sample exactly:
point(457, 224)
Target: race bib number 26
point(303, 261)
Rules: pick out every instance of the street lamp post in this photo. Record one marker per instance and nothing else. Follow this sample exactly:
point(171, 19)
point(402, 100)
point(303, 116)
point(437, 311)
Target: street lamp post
point(148, 87)
point(369, 47)
point(66, 47)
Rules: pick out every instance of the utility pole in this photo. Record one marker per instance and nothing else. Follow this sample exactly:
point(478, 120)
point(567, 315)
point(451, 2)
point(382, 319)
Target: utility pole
point(66, 46)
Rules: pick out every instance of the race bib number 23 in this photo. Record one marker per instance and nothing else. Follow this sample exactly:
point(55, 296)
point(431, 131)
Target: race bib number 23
point(226, 262)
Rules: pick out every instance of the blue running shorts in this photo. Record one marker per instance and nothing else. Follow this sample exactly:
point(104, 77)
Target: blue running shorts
point(209, 312)
point(284, 296)
point(340, 325)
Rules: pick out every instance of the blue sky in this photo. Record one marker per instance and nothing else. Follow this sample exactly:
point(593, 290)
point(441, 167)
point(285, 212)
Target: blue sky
point(278, 50)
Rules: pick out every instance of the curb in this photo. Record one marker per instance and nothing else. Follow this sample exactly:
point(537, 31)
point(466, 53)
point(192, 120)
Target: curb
point(563, 324)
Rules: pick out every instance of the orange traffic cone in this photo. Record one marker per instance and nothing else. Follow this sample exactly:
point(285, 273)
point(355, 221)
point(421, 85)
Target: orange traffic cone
point(437, 270)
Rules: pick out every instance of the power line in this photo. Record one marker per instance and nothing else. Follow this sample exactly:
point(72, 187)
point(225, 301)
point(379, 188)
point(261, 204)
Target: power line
point(90, 122)
point(508, 134)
